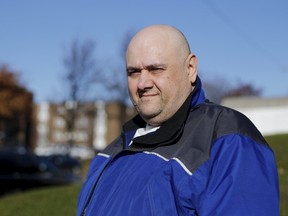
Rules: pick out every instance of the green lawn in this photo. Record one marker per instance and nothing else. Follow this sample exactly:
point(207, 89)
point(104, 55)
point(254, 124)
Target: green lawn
point(62, 201)
point(279, 145)
point(49, 201)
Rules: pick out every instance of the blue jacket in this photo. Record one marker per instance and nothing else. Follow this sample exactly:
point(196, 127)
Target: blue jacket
point(205, 160)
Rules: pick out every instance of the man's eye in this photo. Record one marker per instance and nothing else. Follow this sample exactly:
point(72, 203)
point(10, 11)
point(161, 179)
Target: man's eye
point(156, 70)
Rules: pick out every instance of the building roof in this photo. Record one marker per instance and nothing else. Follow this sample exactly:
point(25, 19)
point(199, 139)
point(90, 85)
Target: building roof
point(253, 102)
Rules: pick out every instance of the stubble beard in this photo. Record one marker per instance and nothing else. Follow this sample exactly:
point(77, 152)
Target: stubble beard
point(151, 116)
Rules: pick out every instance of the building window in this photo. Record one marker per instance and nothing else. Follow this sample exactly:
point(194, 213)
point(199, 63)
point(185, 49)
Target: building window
point(82, 122)
point(59, 137)
point(59, 122)
point(81, 136)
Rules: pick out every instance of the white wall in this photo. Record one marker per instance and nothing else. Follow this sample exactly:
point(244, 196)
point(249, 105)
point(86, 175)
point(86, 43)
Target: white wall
point(269, 120)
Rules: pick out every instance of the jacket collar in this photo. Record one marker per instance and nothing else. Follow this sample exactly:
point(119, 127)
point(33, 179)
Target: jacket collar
point(170, 130)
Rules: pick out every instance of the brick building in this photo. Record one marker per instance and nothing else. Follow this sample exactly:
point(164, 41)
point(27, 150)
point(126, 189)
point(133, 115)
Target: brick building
point(96, 124)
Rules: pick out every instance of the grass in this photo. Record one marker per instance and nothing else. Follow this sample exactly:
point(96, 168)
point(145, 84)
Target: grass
point(44, 202)
point(59, 201)
point(279, 144)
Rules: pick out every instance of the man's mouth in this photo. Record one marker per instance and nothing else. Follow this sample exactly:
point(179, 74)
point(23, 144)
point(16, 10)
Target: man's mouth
point(147, 95)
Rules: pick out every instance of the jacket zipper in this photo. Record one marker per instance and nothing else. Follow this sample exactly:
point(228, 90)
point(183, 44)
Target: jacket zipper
point(94, 188)
point(96, 183)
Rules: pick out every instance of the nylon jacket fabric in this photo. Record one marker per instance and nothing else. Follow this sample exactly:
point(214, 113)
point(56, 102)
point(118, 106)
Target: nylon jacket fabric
point(205, 160)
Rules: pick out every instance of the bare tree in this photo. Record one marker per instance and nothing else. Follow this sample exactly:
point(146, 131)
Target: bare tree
point(219, 88)
point(80, 73)
point(80, 69)
point(216, 89)
point(244, 89)
point(118, 84)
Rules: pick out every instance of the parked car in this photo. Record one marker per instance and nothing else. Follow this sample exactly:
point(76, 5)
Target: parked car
point(66, 163)
point(22, 169)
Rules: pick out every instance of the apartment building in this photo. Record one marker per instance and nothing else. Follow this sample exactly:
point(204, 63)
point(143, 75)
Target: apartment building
point(95, 125)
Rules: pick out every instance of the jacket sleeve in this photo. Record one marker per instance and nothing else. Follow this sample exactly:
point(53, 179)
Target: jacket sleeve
point(242, 180)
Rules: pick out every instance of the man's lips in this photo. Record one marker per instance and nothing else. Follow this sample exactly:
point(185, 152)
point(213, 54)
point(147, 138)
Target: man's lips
point(147, 95)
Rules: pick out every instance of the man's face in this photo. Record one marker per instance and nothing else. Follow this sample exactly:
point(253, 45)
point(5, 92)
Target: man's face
point(158, 80)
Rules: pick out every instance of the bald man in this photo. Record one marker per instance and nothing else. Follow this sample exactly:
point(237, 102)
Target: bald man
point(181, 155)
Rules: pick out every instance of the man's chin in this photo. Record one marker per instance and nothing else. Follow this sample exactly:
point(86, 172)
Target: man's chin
point(147, 114)
point(150, 115)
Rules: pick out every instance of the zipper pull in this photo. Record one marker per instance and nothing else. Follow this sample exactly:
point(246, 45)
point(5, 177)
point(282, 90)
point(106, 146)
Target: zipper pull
point(83, 212)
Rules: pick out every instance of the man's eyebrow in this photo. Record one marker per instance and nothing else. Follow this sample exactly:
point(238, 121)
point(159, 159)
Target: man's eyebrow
point(131, 68)
point(147, 67)
point(153, 66)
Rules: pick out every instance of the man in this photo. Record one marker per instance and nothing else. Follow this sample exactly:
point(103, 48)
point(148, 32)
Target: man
point(182, 155)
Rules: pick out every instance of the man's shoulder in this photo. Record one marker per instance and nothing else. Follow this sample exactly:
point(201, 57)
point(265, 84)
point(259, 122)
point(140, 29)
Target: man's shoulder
point(204, 126)
point(225, 121)
point(114, 147)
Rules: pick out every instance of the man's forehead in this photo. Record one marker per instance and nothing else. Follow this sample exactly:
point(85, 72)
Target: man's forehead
point(148, 55)
point(141, 65)
point(150, 44)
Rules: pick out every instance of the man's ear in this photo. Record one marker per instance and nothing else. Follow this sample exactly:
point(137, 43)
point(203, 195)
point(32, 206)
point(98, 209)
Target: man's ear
point(192, 68)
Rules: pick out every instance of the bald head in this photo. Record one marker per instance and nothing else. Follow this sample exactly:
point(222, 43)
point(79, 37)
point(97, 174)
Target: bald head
point(164, 36)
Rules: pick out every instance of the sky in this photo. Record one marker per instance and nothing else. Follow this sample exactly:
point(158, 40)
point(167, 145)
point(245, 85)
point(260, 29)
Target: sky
point(236, 41)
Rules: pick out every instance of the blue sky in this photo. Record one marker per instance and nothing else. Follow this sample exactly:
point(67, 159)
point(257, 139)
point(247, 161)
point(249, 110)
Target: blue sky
point(239, 41)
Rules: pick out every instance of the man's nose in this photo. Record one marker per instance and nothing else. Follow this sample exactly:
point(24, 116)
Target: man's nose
point(145, 80)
